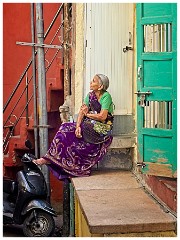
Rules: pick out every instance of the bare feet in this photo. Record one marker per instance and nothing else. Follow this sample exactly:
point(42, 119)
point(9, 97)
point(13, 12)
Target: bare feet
point(41, 161)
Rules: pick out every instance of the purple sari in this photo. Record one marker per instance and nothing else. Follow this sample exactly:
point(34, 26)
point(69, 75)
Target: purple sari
point(70, 156)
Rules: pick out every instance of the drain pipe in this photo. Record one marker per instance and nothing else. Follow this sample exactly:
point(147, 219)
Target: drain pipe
point(43, 127)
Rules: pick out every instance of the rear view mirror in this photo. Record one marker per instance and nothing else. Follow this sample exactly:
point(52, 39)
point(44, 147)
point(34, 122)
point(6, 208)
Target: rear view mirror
point(28, 144)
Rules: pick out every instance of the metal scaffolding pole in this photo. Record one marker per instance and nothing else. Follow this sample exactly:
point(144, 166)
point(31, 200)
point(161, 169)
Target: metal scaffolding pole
point(43, 127)
point(67, 88)
point(34, 81)
point(66, 185)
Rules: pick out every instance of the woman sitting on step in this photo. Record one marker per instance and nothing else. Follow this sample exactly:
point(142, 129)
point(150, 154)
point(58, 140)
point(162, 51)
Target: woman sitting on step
point(77, 147)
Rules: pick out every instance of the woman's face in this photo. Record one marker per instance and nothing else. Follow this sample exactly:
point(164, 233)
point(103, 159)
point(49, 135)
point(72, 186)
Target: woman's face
point(95, 84)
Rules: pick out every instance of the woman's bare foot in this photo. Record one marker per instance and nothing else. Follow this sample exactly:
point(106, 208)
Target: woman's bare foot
point(41, 161)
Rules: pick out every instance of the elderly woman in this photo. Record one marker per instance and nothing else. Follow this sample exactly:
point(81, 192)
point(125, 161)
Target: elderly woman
point(77, 147)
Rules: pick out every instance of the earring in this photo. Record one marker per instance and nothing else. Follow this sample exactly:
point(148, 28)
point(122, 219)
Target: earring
point(100, 88)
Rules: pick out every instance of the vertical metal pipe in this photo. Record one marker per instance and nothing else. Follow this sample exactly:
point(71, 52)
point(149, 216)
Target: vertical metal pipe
point(154, 112)
point(149, 114)
point(43, 130)
point(34, 82)
point(158, 114)
point(27, 108)
point(170, 115)
point(72, 212)
point(66, 51)
point(66, 209)
point(66, 189)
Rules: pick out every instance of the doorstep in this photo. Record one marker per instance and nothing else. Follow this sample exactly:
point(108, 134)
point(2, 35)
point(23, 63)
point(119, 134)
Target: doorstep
point(113, 203)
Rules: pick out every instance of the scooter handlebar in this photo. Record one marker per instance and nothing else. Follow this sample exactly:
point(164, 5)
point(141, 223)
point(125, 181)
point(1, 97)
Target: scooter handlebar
point(28, 157)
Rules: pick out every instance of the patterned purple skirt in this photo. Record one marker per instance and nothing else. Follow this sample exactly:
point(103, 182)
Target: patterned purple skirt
point(71, 156)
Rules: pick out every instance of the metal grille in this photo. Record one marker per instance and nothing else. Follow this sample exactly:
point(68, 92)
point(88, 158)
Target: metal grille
point(157, 38)
point(158, 114)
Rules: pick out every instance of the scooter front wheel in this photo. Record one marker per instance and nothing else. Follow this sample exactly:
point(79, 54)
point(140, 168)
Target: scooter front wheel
point(41, 225)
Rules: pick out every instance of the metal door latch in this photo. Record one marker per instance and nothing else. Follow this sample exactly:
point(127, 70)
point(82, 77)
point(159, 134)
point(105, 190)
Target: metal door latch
point(139, 93)
point(139, 72)
point(141, 164)
point(127, 49)
point(142, 95)
point(141, 102)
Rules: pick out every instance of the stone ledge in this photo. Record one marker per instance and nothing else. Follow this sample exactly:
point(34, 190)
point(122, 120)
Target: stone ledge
point(123, 141)
point(113, 202)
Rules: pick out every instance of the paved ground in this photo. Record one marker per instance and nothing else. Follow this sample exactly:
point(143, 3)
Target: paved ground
point(16, 231)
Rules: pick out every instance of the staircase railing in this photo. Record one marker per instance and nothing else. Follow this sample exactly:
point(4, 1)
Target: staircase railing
point(8, 130)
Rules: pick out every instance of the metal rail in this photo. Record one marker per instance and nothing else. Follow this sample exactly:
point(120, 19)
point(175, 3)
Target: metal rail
point(12, 127)
point(30, 61)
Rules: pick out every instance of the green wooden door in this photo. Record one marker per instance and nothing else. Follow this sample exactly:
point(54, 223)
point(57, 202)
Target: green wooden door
point(157, 88)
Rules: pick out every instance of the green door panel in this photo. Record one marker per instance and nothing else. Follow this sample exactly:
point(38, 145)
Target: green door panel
point(157, 76)
point(159, 150)
point(155, 10)
point(161, 74)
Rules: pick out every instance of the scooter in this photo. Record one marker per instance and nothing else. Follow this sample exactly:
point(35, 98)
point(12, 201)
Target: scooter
point(25, 200)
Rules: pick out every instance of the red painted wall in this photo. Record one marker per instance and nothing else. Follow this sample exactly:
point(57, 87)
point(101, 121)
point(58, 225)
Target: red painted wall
point(17, 27)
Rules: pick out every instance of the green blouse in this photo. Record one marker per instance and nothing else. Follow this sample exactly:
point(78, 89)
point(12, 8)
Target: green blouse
point(105, 101)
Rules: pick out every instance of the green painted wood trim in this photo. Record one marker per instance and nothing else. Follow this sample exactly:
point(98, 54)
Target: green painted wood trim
point(174, 50)
point(140, 112)
point(157, 132)
point(157, 20)
point(158, 56)
point(167, 94)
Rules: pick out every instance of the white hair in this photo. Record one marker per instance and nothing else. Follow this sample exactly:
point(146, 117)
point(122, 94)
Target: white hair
point(104, 80)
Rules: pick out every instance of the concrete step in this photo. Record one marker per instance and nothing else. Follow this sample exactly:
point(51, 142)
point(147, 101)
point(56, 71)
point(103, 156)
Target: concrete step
point(113, 203)
point(119, 154)
point(123, 141)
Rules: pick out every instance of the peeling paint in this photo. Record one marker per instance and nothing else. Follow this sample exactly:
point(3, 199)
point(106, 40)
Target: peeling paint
point(158, 169)
point(158, 160)
point(162, 160)
point(158, 151)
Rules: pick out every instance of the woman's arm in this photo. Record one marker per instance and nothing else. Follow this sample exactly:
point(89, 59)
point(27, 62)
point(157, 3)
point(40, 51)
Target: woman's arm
point(98, 116)
point(83, 111)
point(106, 102)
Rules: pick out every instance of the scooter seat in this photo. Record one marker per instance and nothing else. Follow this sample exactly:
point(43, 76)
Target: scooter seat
point(9, 185)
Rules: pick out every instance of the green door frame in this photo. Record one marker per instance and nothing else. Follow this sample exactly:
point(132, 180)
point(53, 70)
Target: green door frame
point(157, 73)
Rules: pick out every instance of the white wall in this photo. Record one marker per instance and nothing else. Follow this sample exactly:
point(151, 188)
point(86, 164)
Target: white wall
point(107, 33)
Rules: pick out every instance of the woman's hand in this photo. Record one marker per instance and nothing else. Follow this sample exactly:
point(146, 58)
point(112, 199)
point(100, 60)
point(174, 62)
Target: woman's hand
point(84, 109)
point(78, 132)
